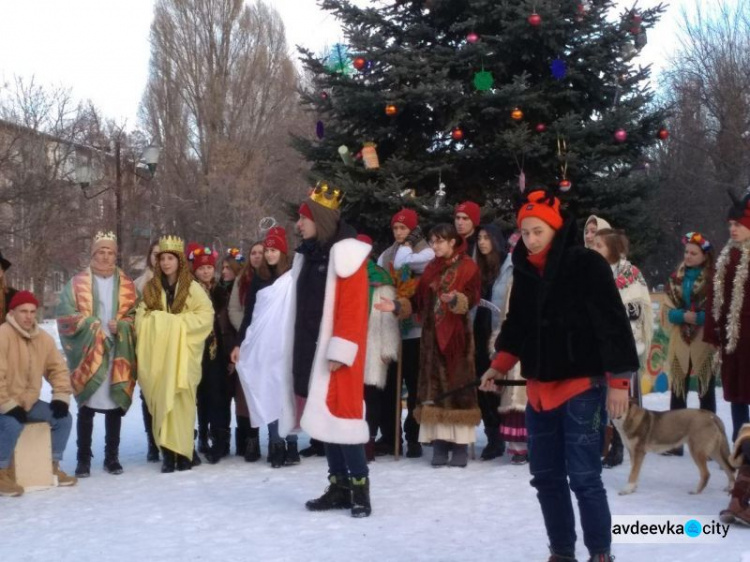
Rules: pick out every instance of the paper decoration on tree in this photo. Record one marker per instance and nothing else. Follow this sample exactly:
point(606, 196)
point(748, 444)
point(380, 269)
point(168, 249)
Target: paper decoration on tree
point(562, 155)
point(483, 80)
point(338, 59)
point(440, 193)
point(559, 69)
point(522, 181)
point(320, 129)
point(370, 156)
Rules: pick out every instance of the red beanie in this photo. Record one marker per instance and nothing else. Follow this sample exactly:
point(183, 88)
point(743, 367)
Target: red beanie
point(470, 209)
point(204, 256)
point(407, 217)
point(364, 238)
point(304, 210)
point(276, 238)
point(23, 297)
point(544, 207)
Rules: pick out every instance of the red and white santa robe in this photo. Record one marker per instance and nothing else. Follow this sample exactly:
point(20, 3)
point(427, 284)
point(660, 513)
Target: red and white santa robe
point(335, 411)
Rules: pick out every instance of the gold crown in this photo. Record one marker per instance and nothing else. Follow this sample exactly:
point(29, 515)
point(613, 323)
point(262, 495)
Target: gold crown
point(171, 244)
point(327, 196)
point(101, 235)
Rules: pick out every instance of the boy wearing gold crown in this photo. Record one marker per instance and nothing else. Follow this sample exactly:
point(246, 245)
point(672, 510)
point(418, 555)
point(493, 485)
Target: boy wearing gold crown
point(330, 308)
point(172, 322)
point(95, 321)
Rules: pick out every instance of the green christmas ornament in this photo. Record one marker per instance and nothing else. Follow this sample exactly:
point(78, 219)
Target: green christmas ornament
point(483, 80)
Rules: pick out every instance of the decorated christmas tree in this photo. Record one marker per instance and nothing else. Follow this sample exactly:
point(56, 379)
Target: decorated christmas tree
point(486, 97)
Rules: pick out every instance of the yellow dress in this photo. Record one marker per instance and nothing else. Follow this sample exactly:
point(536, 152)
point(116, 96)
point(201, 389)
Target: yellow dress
point(169, 351)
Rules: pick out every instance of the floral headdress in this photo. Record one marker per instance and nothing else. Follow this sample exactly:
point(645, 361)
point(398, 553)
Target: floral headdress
point(698, 239)
point(236, 255)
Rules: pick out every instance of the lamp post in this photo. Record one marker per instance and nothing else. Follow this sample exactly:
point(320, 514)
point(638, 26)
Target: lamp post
point(84, 176)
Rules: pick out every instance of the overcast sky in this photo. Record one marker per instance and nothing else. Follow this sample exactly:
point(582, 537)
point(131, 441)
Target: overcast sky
point(99, 48)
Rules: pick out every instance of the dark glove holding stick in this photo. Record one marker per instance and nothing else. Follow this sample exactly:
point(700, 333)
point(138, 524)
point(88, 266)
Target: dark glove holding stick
point(59, 409)
point(414, 237)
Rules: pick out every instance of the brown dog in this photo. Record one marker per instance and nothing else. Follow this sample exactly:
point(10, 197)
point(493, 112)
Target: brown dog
point(643, 431)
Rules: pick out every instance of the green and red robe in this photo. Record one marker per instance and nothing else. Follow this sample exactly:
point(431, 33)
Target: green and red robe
point(87, 346)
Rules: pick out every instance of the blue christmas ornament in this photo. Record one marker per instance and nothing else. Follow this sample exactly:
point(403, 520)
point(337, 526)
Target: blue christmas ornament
point(559, 69)
point(320, 129)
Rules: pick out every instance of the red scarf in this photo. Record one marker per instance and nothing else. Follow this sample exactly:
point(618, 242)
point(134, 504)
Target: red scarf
point(539, 260)
point(458, 273)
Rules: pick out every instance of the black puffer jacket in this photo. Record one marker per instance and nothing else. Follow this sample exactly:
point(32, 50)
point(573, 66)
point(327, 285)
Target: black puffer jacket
point(570, 322)
point(311, 288)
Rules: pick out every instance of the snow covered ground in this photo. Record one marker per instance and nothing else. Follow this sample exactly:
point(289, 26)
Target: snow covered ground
point(240, 511)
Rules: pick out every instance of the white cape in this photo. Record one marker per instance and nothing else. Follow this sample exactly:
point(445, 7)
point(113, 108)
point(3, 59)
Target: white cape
point(266, 357)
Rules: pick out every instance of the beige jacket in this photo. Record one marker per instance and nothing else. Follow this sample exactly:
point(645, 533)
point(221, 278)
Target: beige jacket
point(24, 358)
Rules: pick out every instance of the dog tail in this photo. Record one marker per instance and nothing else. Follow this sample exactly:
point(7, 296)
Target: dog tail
point(724, 448)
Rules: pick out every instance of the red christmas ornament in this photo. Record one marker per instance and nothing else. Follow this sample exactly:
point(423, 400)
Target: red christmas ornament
point(457, 134)
point(621, 135)
point(565, 185)
point(358, 156)
point(324, 95)
point(472, 37)
point(360, 63)
point(391, 110)
point(663, 134)
point(535, 20)
point(541, 127)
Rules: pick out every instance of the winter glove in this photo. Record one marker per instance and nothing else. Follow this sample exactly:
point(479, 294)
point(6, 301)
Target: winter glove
point(415, 237)
point(18, 413)
point(59, 409)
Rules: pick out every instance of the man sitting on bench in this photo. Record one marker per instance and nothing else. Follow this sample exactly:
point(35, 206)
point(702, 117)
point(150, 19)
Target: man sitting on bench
point(26, 354)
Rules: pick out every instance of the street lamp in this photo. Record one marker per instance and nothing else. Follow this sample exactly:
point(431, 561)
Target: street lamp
point(84, 176)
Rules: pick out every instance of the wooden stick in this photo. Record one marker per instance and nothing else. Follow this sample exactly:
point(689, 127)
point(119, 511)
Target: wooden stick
point(397, 440)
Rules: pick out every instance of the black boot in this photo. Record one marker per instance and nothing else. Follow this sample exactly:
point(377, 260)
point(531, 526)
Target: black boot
point(413, 450)
point(241, 433)
point(112, 425)
point(219, 441)
point(168, 461)
point(495, 446)
point(614, 455)
point(277, 454)
point(606, 557)
point(292, 455)
point(316, 449)
point(337, 496)
point(252, 450)
point(440, 450)
point(85, 429)
point(195, 460)
point(361, 497)
point(153, 451)
point(184, 463)
point(203, 444)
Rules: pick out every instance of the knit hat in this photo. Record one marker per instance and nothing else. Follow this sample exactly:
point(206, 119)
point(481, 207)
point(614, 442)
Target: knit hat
point(191, 248)
point(23, 297)
point(470, 209)
point(104, 240)
point(304, 211)
point(276, 238)
point(740, 210)
point(542, 206)
point(407, 217)
point(364, 238)
point(204, 256)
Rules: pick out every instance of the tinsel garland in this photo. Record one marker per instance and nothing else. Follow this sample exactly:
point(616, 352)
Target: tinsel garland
point(738, 291)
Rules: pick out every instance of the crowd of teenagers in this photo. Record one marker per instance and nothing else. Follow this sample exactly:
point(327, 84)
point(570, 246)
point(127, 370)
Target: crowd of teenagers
point(538, 333)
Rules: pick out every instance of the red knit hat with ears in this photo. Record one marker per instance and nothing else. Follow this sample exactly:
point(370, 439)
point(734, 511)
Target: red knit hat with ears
point(470, 209)
point(407, 217)
point(364, 238)
point(276, 238)
point(23, 297)
point(542, 206)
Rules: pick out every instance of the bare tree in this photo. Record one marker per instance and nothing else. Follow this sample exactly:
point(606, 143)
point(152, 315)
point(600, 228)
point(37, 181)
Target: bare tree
point(221, 100)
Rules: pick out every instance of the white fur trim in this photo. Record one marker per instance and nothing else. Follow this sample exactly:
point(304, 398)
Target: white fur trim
point(317, 419)
point(348, 256)
point(341, 350)
point(383, 339)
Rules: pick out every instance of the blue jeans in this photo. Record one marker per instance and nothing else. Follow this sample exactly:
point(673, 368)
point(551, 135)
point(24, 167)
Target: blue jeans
point(274, 437)
point(10, 430)
point(346, 460)
point(564, 449)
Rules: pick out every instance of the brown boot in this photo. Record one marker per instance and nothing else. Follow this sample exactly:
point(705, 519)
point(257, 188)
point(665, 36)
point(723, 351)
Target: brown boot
point(8, 486)
point(739, 506)
point(62, 478)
